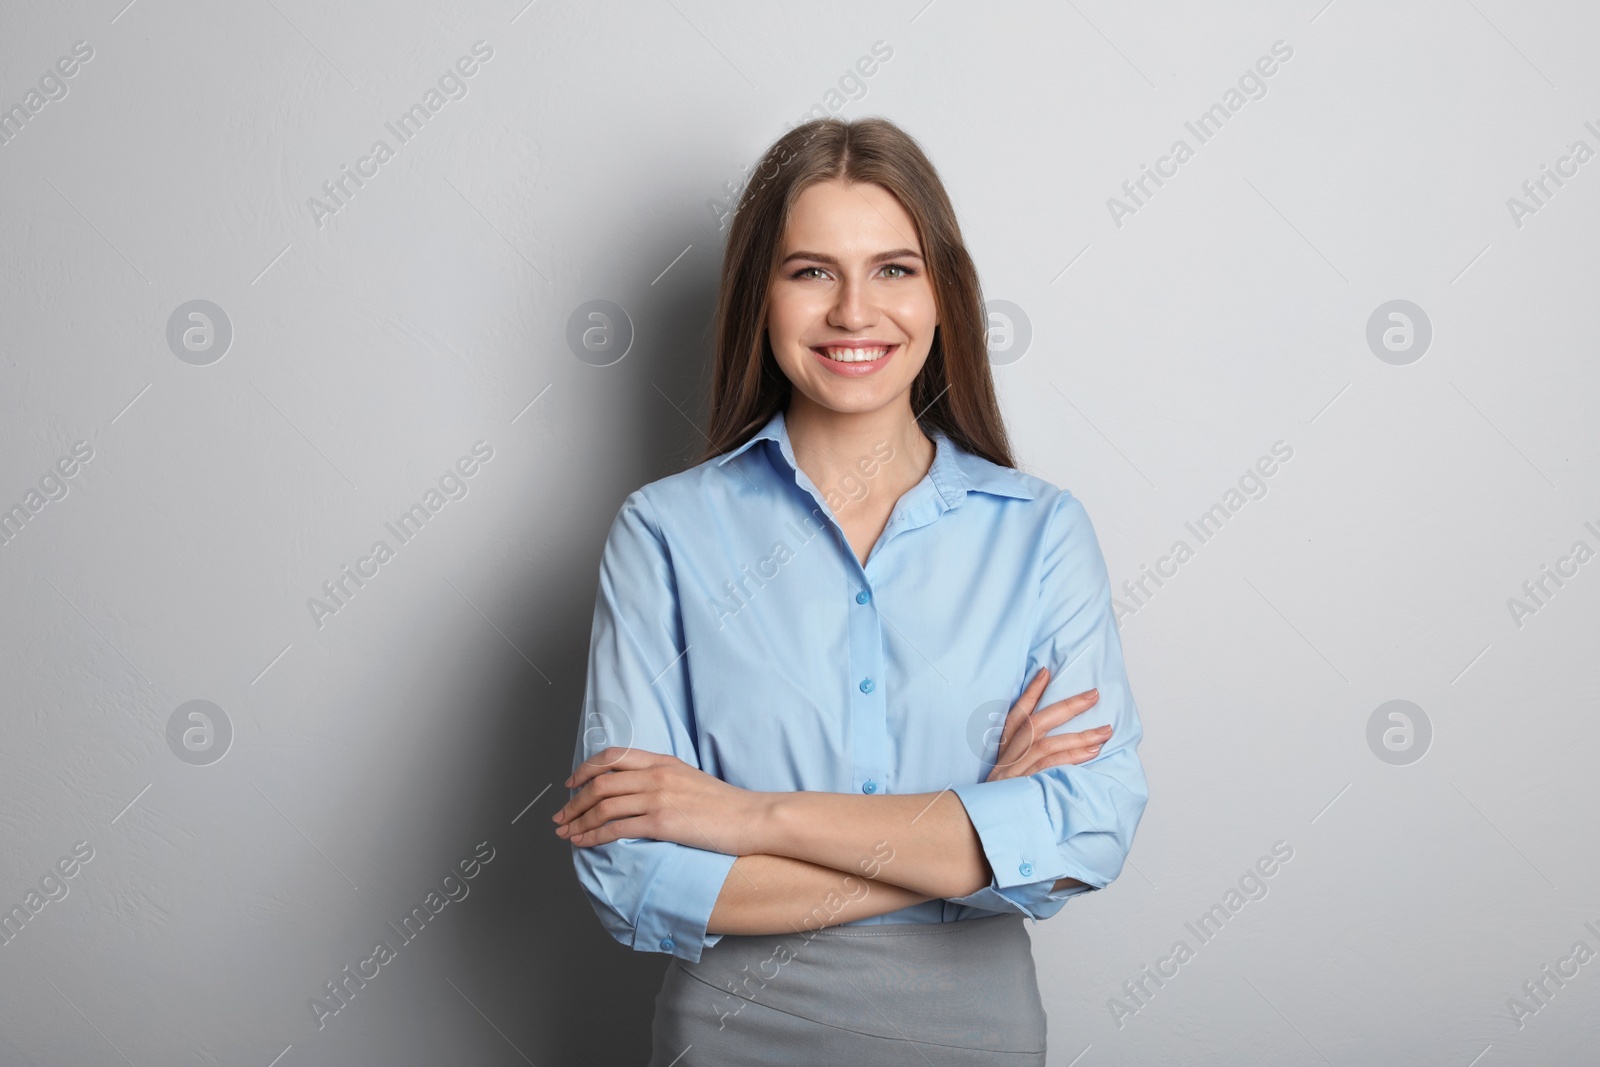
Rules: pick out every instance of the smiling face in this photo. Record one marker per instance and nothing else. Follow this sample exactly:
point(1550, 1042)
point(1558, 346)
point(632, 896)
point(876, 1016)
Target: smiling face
point(850, 282)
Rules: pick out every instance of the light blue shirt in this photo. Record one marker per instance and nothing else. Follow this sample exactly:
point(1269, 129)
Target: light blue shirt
point(735, 629)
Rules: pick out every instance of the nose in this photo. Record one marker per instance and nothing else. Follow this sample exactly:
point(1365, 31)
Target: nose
point(853, 310)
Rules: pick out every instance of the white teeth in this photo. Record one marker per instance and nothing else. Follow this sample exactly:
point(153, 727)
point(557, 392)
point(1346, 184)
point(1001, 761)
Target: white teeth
point(855, 355)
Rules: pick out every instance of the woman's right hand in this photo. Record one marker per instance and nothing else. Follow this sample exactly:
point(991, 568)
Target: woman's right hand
point(1024, 747)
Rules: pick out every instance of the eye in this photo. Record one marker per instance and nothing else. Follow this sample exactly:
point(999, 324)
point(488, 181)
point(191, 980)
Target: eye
point(802, 271)
point(906, 271)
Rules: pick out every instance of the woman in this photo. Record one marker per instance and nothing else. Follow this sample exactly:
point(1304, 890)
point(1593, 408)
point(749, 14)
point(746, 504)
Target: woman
point(797, 771)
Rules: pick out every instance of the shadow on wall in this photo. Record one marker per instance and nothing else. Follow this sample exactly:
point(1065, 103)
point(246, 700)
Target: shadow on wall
point(584, 998)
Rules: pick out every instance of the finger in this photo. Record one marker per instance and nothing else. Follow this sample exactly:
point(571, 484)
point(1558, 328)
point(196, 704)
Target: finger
point(608, 759)
point(1085, 741)
point(1060, 760)
point(1006, 769)
point(1028, 761)
point(615, 783)
point(609, 808)
point(1008, 760)
point(1015, 749)
point(612, 831)
point(1024, 706)
point(1063, 749)
point(1010, 750)
point(1049, 717)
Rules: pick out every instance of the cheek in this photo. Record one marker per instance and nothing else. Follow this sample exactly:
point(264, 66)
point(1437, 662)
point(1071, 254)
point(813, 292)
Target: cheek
point(918, 318)
point(788, 317)
point(910, 368)
point(781, 325)
point(788, 361)
point(785, 347)
point(784, 315)
point(920, 307)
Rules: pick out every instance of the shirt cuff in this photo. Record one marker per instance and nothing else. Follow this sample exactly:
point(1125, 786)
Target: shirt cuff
point(677, 907)
point(1014, 828)
point(1036, 900)
point(1023, 848)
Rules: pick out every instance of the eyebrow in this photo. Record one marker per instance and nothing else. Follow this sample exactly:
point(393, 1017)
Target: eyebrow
point(898, 253)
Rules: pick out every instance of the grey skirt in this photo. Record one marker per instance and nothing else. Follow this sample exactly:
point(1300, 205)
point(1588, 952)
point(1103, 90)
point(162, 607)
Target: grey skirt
point(950, 994)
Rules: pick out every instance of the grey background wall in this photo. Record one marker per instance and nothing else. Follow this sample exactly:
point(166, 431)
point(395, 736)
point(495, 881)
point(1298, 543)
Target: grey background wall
point(187, 485)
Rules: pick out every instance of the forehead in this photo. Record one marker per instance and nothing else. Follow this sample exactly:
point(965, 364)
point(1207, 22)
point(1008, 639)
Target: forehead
point(840, 218)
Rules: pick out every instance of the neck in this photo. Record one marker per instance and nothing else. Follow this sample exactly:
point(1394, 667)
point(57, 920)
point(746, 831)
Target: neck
point(885, 449)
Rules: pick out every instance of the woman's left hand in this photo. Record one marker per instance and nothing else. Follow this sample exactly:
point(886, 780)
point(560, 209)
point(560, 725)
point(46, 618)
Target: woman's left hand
point(624, 792)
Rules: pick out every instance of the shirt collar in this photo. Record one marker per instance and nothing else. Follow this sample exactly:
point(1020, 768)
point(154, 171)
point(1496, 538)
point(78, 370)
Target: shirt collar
point(954, 472)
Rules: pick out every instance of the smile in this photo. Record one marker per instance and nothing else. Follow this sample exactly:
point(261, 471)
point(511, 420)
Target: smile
point(855, 359)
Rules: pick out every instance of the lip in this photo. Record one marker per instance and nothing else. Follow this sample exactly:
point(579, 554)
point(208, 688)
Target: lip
point(856, 370)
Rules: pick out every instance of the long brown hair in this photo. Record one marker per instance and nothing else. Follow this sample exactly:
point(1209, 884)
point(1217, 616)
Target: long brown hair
point(954, 391)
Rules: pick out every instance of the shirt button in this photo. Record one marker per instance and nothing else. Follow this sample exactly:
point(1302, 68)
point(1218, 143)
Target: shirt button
point(667, 944)
point(863, 596)
point(1026, 869)
point(866, 685)
point(869, 786)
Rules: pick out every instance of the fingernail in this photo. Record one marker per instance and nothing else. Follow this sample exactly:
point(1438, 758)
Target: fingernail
point(1094, 748)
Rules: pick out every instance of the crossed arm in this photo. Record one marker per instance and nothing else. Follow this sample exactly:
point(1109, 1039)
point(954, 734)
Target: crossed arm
point(866, 855)
point(738, 874)
point(936, 855)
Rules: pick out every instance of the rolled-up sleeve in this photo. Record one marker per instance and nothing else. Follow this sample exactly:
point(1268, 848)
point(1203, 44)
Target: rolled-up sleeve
point(653, 896)
point(1071, 821)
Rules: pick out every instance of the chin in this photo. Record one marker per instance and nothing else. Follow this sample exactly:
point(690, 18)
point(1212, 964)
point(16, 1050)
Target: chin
point(859, 402)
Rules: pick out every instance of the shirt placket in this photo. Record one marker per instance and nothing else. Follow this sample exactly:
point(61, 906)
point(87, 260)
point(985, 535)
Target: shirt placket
point(870, 721)
point(869, 708)
point(869, 718)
